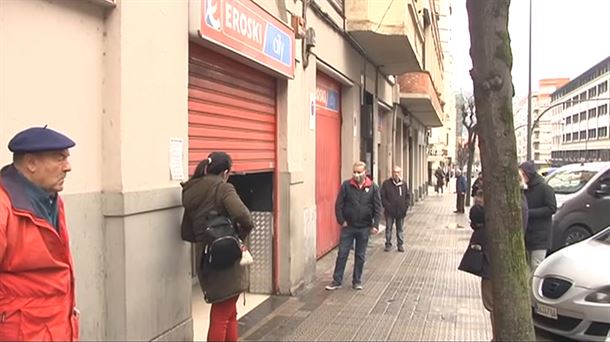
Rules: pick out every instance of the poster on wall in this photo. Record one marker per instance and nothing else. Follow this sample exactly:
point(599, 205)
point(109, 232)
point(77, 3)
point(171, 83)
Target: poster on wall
point(176, 159)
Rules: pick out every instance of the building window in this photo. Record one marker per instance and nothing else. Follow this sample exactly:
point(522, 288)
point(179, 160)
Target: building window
point(583, 116)
point(583, 95)
point(592, 133)
point(567, 105)
point(536, 146)
point(592, 113)
point(536, 156)
point(602, 110)
point(575, 136)
point(575, 118)
point(602, 132)
point(602, 87)
point(568, 137)
point(583, 135)
point(575, 100)
point(568, 120)
point(592, 92)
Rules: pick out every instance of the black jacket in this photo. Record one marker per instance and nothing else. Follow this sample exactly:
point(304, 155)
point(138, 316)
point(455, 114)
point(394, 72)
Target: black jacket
point(359, 207)
point(395, 198)
point(541, 205)
point(479, 237)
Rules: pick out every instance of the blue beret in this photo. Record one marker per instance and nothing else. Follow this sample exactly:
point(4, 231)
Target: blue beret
point(39, 139)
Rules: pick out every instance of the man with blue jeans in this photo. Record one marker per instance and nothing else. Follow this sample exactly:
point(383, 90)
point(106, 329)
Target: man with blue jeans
point(358, 208)
point(395, 198)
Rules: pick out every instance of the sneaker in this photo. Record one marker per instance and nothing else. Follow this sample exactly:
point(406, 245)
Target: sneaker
point(401, 249)
point(387, 248)
point(357, 287)
point(333, 286)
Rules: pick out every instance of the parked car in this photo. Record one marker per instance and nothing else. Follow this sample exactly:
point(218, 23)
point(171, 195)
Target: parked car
point(571, 290)
point(583, 202)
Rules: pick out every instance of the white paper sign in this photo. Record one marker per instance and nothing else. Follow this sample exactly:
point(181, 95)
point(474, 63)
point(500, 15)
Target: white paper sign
point(312, 111)
point(176, 158)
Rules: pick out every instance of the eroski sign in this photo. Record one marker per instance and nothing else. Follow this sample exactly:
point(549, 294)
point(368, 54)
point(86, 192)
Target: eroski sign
point(247, 29)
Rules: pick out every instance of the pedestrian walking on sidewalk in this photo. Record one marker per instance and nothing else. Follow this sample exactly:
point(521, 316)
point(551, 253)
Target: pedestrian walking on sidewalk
point(357, 209)
point(440, 179)
point(460, 189)
point(205, 191)
point(542, 205)
point(395, 198)
point(37, 295)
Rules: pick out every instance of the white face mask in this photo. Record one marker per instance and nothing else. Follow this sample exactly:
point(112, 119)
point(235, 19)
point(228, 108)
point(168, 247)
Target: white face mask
point(359, 176)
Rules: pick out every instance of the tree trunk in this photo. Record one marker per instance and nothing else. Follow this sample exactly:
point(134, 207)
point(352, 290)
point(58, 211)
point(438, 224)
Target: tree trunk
point(471, 148)
point(493, 90)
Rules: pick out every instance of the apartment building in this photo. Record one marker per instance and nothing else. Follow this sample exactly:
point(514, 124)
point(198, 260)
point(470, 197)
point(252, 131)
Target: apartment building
point(443, 139)
point(579, 117)
point(541, 131)
point(295, 91)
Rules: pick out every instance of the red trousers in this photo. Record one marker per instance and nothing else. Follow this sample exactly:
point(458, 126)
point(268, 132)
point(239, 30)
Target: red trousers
point(223, 321)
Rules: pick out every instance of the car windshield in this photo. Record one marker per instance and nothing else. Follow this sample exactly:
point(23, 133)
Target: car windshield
point(604, 237)
point(569, 181)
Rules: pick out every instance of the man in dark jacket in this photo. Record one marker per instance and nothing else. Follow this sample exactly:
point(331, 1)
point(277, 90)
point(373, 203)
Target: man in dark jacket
point(357, 209)
point(541, 206)
point(395, 198)
point(460, 188)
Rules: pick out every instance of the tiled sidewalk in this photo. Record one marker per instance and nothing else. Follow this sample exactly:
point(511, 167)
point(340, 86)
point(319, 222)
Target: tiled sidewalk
point(416, 295)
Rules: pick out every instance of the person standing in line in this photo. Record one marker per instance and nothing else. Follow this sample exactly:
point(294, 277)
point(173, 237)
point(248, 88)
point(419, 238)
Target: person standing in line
point(460, 189)
point(205, 191)
point(357, 209)
point(477, 185)
point(37, 296)
point(542, 205)
point(395, 198)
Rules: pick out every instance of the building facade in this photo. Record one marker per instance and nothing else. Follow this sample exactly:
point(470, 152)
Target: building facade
point(295, 91)
point(541, 133)
point(580, 119)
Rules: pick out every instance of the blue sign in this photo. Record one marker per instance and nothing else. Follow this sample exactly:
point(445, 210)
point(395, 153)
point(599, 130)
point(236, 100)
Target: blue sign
point(332, 101)
point(278, 45)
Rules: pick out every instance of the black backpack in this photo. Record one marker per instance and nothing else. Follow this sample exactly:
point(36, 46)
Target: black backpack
point(221, 245)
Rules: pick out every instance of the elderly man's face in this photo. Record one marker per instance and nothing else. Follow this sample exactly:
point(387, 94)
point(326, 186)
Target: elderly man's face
point(359, 173)
point(397, 173)
point(49, 169)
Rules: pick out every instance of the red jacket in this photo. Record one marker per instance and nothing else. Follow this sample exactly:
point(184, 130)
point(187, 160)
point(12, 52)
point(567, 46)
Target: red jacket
point(37, 300)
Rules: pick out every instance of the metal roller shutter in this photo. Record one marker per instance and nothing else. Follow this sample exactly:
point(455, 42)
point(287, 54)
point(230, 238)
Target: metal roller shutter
point(231, 108)
point(328, 161)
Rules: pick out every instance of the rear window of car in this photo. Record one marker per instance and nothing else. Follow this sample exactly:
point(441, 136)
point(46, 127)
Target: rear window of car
point(569, 181)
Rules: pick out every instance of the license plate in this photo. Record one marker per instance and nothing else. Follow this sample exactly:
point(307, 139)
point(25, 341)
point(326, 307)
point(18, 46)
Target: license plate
point(546, 311)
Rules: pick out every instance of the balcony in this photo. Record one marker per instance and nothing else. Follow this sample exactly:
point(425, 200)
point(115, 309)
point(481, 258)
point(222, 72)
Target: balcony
point(419, 96)
point(389, 31)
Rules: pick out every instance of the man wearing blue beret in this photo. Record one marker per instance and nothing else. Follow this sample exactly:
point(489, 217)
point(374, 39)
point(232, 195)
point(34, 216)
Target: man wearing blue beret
point(37, 300)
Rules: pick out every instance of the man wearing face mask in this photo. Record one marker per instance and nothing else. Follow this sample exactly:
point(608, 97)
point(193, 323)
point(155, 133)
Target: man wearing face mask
point(358, 208)
point(395, 198)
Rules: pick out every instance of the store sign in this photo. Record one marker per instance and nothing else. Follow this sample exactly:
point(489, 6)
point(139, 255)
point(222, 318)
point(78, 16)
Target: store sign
point(245, 28)
point(327, 98)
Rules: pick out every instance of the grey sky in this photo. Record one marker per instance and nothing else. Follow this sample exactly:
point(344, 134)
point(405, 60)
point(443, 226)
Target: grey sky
point(568, 37)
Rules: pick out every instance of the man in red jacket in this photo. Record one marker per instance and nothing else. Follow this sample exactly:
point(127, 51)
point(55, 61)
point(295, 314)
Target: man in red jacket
point(37, 299)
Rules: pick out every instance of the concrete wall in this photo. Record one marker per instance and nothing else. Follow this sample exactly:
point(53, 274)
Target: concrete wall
point(148, 266)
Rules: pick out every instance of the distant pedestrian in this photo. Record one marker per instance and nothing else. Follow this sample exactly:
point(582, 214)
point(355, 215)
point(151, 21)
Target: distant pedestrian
point(460, 189)
point(440, 179)
point(37, 294)
point(477, 185)
point(542, 205)
point(396, 199)
point(447, 170)
point(358, 208)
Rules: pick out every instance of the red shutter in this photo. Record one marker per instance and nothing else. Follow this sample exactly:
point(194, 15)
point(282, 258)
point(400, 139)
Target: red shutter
point(328, 161)
point(231, 108)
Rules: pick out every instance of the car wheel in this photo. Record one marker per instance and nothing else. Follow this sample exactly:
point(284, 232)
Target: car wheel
point(575, 234)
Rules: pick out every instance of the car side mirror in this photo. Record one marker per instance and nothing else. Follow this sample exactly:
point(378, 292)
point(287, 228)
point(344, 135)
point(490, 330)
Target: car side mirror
point(603, 190)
